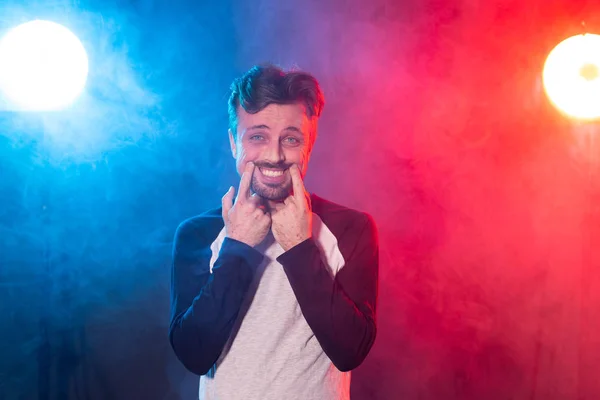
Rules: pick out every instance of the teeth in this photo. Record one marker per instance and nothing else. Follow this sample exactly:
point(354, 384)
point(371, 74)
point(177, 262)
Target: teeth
point(267, 172)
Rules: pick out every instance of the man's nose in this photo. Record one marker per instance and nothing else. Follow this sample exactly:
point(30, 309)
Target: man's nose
point(274, 153)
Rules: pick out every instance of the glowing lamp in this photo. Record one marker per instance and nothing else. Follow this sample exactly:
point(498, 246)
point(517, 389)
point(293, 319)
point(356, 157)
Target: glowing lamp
point(572, 76)
point(43, 66)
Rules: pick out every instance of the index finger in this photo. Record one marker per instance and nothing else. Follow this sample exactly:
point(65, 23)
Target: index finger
point(244, 190)
point(297, 183)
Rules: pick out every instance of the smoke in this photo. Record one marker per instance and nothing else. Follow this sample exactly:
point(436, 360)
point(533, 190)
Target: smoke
point(90, 198)
point(117, 108)
point(434, 123)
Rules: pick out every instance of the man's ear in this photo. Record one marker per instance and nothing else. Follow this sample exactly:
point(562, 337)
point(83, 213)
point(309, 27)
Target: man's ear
point(232, 144)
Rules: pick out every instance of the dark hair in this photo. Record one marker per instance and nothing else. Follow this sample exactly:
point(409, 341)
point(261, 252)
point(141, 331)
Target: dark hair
point(267, 84)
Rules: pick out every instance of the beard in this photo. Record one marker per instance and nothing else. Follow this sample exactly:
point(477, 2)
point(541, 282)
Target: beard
point(273, 192)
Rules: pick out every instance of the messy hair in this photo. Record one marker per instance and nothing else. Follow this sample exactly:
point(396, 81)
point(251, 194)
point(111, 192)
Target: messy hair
point(267, 84)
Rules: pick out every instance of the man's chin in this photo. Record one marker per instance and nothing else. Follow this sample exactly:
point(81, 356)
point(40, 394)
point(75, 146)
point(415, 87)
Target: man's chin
point(271, 193)
point(273, 197)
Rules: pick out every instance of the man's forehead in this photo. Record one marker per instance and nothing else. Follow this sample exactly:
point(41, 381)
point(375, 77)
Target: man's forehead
point(275, 114)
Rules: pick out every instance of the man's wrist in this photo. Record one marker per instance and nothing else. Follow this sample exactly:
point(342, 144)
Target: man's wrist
point(233, 237)
point(232, 247)
point(292, 244)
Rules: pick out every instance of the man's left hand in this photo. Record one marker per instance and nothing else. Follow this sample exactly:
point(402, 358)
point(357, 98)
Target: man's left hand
point(291, 221)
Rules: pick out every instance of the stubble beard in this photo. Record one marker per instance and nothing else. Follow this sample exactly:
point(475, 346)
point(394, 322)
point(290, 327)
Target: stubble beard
point(278, 192)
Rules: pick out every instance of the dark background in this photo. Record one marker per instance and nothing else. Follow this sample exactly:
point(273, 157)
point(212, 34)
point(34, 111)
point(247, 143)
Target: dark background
point(436, 123)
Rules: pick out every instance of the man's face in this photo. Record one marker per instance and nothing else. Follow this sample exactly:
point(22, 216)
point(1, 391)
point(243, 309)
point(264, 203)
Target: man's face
point(274, 139)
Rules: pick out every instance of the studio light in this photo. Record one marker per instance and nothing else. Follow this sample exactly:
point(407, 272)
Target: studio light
point(43, 66)
point(572, 76)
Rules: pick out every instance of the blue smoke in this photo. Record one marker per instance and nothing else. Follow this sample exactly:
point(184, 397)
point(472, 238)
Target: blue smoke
point(90, 197)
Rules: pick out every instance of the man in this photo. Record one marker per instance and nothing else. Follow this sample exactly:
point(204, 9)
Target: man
point(274, 294)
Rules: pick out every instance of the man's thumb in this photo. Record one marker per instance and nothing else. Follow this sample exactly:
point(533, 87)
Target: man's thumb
point(227, 201)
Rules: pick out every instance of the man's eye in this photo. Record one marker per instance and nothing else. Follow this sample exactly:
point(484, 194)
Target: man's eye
point(256, 137)
point(292, 140)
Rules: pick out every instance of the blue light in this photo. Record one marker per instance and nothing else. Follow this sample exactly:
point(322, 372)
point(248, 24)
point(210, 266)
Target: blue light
point(43, 66)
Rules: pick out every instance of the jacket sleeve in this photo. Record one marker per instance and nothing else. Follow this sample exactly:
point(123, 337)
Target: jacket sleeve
point(340, 310)
point(205, 305)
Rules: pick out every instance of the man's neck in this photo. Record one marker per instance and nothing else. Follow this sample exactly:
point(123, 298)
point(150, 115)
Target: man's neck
point(271, 204)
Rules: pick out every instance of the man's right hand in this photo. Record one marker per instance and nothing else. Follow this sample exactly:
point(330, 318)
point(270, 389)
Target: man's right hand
point(245, 221)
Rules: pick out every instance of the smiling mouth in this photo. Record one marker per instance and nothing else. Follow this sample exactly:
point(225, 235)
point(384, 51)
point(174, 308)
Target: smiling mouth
point(273, 173)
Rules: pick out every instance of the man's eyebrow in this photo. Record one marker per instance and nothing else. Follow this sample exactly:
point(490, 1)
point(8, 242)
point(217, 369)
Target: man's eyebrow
point(293, 128)
point(263, 126)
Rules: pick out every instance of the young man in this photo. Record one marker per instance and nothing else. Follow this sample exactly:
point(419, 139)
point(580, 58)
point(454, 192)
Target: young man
point(274, 294)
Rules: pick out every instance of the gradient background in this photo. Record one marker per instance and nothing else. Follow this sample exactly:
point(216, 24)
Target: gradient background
point(436, 123)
